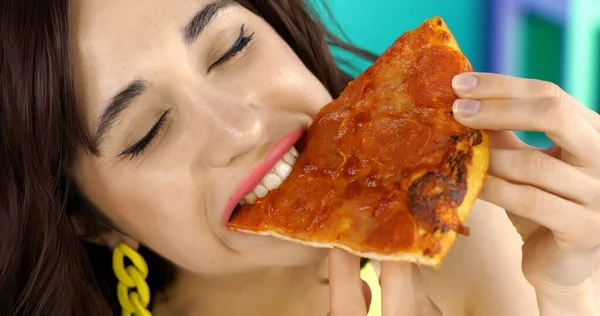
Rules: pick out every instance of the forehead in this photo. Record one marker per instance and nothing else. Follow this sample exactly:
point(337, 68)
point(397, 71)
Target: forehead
point(117, 27)
point(116, 41)
point(95, 18)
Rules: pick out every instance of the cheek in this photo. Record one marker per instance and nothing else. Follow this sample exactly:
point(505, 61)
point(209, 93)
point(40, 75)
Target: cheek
point(272, 74)
point(295, 90)
point(290, 84)
point(161, 208)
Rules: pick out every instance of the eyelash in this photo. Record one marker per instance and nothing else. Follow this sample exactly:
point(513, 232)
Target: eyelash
point(142, 144)
point(240, 43)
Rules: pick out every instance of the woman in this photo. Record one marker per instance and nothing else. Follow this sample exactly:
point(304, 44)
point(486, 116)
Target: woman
point(127, 125)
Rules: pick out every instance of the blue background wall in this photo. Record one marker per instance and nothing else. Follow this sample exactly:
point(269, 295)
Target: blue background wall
point(375, 24)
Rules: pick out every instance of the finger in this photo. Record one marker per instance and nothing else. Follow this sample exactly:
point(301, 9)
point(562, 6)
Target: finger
point(403, 292)
point(425, 306)
point(552, 116)
point(558, 153)
point(553, 151)
point(574, 226)
point(497, 86)
point(533, 167)
point(506, 140)
point(592, 117)
point(345, 285)
point(594, 173)
point(396, 289)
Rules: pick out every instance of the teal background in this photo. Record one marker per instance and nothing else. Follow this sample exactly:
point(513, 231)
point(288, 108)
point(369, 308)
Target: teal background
point(375, 24)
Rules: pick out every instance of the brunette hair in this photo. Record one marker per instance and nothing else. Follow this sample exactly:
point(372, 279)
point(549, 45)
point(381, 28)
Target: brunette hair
point(45, 267)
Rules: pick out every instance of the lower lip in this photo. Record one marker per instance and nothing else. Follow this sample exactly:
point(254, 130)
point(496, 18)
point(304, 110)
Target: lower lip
point(252, 180)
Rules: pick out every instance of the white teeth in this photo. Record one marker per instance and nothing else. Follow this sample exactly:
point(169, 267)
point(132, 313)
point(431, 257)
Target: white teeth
point(282, 169)
point(294, 152)
point(260, 191)
point(289, 158)
point(250, 198)
point(272, 181)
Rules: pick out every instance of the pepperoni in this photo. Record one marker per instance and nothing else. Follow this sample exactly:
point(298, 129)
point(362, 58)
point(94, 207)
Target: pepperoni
point(380, 141)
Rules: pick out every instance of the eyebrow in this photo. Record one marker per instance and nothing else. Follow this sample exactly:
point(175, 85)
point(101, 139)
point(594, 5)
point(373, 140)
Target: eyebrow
point(117, 105)
point(201, 19)
point(120, 101)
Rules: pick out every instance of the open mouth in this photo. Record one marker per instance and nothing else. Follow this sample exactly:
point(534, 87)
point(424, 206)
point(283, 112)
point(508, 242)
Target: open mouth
point(273, 179)
point(268, 175)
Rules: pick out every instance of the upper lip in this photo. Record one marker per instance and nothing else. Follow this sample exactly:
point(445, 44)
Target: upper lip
point(260, 170)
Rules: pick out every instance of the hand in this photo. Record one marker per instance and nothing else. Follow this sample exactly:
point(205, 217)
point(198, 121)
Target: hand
point(402, 291)
point(553, 194)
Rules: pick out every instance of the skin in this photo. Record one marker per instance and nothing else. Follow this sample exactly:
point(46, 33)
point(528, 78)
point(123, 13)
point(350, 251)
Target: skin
point(222, 121)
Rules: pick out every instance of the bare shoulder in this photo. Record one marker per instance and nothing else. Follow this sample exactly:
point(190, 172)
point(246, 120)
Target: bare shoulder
point(482, 273)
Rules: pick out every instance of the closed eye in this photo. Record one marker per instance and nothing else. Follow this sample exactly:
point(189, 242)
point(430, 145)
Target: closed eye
point(240, 43)
point(143, 143)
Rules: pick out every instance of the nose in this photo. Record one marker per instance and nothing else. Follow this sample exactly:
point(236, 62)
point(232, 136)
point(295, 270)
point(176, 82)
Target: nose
point(239, 129)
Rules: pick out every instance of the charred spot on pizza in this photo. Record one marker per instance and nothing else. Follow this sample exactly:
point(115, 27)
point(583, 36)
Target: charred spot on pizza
point(434, 197)
point(476, 138)
point(425, 195)
point(473, 138)
point(457, 163)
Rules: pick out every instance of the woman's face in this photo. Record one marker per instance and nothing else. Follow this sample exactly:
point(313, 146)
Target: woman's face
point(185, 99)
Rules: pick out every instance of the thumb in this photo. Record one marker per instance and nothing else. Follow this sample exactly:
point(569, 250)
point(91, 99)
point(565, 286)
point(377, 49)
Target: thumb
point(346, 294)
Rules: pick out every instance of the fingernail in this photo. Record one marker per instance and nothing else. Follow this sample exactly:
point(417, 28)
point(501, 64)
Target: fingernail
point(464, 82)
point(465, 107)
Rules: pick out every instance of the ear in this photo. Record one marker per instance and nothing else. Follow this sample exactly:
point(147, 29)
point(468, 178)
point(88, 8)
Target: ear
point(104, 236)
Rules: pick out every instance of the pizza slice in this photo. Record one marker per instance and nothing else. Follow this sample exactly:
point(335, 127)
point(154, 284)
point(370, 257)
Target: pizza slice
point(384, 171)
